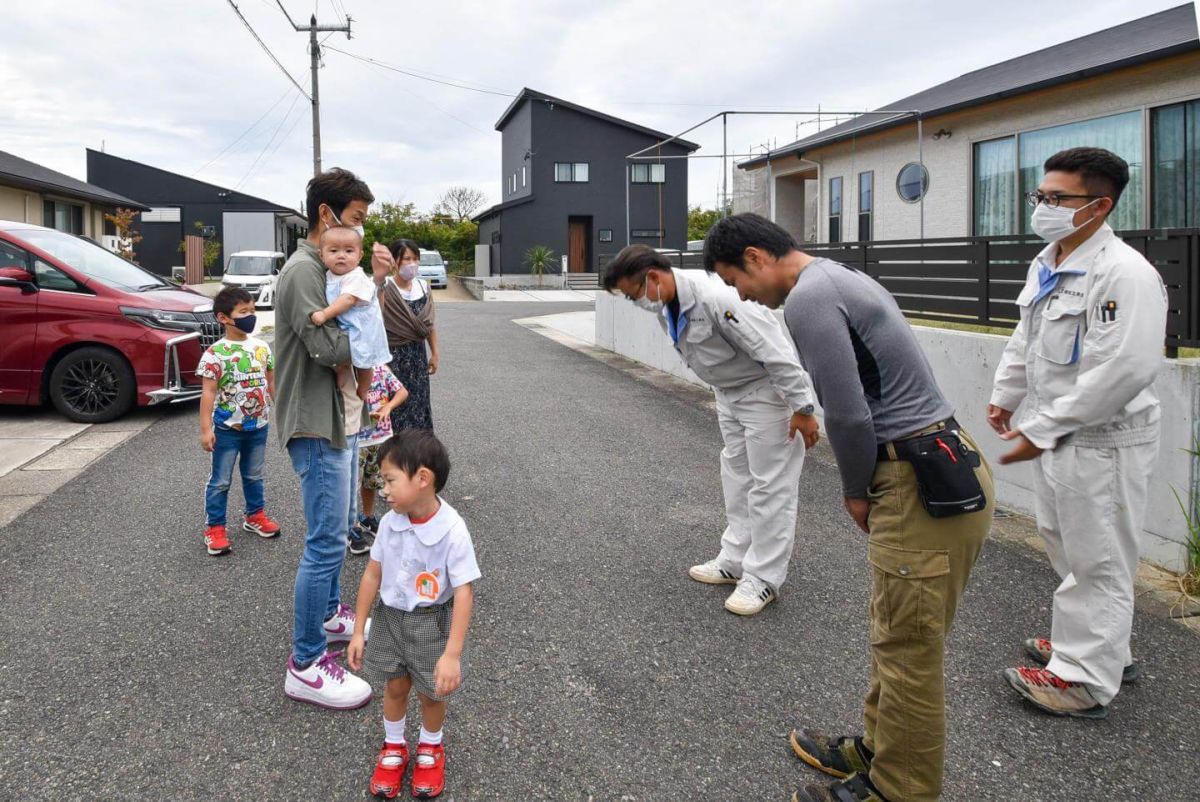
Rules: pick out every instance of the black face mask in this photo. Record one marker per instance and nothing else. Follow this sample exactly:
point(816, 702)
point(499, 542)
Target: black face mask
point(246, 323)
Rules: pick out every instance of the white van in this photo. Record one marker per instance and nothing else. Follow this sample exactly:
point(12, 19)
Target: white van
point(256, 272)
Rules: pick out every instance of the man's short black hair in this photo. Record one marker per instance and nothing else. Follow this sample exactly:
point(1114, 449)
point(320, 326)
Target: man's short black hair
point(228, 298)
point(634, 261)
point(413, 449)
point(730, 236)
point(335, 188)
point(1102, 171)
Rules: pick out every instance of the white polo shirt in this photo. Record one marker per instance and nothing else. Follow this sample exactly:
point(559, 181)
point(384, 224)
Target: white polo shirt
point(423, 562)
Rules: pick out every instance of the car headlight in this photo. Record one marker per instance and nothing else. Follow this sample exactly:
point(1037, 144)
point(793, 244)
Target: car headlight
point(165, 319)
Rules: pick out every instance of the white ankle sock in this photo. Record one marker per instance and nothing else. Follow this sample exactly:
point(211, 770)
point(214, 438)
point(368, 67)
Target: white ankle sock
point(432, 738)
point(393, 731)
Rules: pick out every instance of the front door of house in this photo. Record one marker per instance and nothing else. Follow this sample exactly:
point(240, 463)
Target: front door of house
point(579, 239)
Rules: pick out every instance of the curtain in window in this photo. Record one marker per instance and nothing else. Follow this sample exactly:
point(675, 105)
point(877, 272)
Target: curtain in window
point(1176, 165)
point(1120, 133)
point(995, 187)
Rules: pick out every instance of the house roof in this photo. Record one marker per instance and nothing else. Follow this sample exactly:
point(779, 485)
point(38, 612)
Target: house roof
point(16, 171)
point(499, 207)
point(1143, 40)
point(530, 94)
point(229, 194)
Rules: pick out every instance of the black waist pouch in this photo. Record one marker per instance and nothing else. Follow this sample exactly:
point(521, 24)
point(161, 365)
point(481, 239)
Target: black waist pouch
point(945, 468)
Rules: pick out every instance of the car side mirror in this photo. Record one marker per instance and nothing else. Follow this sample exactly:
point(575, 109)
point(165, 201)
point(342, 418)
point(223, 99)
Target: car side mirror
point(17, 277)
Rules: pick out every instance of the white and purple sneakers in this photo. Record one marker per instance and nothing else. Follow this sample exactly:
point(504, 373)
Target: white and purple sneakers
point(326, 684)
point(340, 627)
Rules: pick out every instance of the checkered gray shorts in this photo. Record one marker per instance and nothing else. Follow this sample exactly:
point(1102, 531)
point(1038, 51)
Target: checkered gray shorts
point(407, 644)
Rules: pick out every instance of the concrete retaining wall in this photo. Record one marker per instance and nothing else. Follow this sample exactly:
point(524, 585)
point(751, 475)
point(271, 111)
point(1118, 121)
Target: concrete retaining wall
point(964, 364)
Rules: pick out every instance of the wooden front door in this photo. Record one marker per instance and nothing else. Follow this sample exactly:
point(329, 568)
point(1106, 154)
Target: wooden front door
point(578, 239)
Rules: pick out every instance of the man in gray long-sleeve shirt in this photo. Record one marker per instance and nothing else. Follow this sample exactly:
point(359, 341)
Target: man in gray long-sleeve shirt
point(878, 391)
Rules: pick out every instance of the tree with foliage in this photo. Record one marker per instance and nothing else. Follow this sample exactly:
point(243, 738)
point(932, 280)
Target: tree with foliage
point(212, 248)
point(127, 238)
point(700, 221)
point(454, 239)
point(460, 203)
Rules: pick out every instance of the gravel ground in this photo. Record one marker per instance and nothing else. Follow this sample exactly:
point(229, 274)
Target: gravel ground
point(134, 666)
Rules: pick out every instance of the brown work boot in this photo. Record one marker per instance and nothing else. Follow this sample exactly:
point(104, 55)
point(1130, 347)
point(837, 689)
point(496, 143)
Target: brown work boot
point(1047, 691)
point(1040, 650)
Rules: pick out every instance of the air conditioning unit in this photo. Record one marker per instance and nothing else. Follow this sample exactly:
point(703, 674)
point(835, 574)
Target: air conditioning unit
point(111, 242)
point(179, 273)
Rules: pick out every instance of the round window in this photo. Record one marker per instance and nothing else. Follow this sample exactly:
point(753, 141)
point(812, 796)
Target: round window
point(912, 182)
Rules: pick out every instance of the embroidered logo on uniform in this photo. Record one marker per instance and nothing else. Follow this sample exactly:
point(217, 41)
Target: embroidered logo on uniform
point(731, 316)
point(1108, 312)
point(426, 584)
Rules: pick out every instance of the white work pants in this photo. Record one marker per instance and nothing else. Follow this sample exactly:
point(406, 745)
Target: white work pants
point(760, 476)
point(1091, 504)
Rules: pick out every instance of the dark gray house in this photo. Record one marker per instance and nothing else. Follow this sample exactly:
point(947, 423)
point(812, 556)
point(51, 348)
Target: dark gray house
point(563, 185)
point(238, 221)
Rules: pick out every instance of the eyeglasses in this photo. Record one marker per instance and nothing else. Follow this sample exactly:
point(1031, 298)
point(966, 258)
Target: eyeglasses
point(1052, 200)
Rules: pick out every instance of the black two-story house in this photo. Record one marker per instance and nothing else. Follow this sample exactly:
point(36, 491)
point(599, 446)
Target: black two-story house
point(564, 180)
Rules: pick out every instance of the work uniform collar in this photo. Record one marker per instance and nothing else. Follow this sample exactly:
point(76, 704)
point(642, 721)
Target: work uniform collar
point(685, 291)
point(429, 533)
point(1082, 257)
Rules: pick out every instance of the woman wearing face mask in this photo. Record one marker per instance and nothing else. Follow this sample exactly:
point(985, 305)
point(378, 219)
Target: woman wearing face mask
point(408, 317)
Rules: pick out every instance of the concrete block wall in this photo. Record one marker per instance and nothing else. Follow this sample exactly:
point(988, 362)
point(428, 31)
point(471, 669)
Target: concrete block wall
point(964, 364)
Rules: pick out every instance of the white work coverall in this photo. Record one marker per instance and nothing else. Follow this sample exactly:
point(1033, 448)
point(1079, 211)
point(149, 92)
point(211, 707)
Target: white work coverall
point(742, 351)
point(1083, 359)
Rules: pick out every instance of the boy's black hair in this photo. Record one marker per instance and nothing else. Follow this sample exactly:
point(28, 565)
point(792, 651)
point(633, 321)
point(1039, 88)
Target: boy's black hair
point(399, 247)
point(228, 298)
point(412, 449)
point(730, 236)
point(335, 188)
point(1102, 171)
point(634, 261)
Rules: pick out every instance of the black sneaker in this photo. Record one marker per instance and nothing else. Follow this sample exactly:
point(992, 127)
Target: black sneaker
point(360, 540)
point(369, 522)
point(855, 788)
point(837, 757)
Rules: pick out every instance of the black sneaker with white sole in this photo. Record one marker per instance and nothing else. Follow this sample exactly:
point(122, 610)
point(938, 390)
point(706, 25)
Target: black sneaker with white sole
point(360, 540)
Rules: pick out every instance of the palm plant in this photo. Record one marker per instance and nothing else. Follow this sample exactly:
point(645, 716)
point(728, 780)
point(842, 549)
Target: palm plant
point(539, 259)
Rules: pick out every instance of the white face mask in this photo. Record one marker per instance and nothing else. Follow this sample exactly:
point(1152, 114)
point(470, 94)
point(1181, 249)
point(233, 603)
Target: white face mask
point(1054, 224)
point(644, 302)
point(357, 229)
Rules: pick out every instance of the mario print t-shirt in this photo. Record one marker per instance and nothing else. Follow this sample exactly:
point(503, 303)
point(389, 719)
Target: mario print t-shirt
point(423, 561)
point(240, 370)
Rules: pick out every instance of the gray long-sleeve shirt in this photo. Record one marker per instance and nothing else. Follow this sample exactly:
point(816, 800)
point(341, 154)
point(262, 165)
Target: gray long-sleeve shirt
point(869, 372)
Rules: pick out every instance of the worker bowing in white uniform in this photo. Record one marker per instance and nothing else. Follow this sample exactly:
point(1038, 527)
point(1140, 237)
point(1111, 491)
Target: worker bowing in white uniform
point(1083, 359)
point(764, 399)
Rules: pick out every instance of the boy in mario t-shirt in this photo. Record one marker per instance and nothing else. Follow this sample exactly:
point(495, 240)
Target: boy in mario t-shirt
point(423, 568)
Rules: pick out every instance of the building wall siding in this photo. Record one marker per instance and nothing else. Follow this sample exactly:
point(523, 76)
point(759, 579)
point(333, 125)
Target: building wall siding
point(948, 210)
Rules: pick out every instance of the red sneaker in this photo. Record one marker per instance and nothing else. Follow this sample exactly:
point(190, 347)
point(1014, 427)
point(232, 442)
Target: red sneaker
point(429, 774)
point(389, 770)
point(215, 539)
point(261, 525)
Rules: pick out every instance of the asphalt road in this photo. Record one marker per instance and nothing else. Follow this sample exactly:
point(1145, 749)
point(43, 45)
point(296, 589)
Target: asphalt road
point(134, 666)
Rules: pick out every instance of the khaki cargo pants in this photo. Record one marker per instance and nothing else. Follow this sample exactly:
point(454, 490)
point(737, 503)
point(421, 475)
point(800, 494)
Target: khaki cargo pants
point(919, 569)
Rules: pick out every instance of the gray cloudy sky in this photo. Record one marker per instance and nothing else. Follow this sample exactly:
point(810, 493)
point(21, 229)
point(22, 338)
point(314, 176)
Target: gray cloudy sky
point(172, 83)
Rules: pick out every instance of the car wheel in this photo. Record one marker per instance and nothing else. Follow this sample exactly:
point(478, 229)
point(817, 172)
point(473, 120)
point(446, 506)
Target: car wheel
point(93, 385)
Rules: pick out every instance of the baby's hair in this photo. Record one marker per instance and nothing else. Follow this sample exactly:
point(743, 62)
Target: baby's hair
point(413, 449)
point(228, 299)
point(331, 229)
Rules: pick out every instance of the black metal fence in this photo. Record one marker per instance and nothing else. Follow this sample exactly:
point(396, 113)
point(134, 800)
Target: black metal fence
point(977, 280)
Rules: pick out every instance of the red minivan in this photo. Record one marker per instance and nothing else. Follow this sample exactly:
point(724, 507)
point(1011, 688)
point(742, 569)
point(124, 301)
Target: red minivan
point(90, 332)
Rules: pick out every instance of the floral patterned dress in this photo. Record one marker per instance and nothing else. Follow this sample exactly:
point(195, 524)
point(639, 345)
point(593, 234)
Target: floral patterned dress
point(410, 364)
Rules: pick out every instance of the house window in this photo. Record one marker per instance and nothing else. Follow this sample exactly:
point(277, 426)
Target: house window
point(1175, 165)
point(912, 182)
point(866, 204)
point(835, 209)
point(649, 173)
point(995, 187)
point(1120, 133)
point(523, 177)
point(571, 172)
point(163, 214)
point(606, 235)
point(647, 233)
point(62, 216)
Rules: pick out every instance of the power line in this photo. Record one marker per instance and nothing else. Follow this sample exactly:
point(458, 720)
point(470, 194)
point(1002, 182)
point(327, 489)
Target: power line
point(437, 107)
point(411, 74)
point(253, 125)
point(269, 143)
point(267, 50)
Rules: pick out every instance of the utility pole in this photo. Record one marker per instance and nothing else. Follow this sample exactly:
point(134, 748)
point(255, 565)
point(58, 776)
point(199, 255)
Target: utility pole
point(314, 51)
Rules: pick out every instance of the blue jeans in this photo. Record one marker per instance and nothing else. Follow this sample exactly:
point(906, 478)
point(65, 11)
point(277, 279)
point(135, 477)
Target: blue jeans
point(252, 448)
point(325, 476)
point(354, 482)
